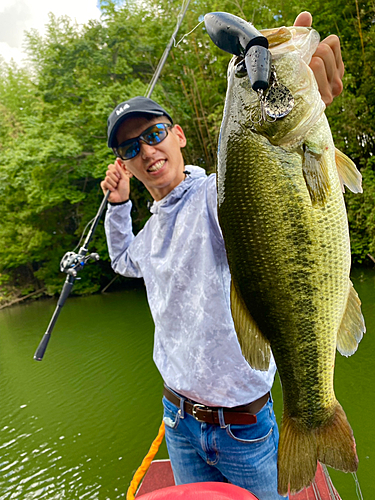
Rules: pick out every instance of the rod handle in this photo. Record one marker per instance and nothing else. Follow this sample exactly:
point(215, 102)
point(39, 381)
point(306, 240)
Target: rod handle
point(39, 353)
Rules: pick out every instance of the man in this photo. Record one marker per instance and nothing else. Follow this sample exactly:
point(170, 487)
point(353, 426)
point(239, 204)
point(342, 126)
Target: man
point(218, 412)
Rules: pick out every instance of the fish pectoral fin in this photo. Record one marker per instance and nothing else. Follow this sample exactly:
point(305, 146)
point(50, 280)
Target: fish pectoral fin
point(349, 174)
point(315, 173)
point(352, 325)
point(255, 347)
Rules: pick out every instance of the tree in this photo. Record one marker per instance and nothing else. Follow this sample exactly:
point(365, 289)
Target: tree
point(53, 150)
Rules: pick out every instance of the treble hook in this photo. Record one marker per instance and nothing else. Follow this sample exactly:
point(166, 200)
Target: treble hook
point(259, 115)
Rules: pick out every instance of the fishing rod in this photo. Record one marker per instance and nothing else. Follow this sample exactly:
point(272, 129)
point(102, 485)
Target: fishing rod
point(73, 262)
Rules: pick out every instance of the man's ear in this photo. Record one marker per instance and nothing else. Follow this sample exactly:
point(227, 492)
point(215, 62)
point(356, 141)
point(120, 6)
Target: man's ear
point(180, 135)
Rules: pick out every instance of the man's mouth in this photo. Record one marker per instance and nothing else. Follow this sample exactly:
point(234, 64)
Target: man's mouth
point(156, 166)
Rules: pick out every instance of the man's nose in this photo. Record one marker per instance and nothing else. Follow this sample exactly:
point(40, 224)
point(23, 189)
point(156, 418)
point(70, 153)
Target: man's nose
point(147, 149)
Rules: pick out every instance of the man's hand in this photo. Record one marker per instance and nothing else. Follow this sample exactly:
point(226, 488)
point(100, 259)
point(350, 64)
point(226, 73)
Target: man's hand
point(117, 181)
point(326, 63)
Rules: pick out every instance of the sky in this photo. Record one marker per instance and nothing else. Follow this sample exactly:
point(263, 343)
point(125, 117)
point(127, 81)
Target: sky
point(18, 16)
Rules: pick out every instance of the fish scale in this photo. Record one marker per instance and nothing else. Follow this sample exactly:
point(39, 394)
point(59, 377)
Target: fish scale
point(284, 222)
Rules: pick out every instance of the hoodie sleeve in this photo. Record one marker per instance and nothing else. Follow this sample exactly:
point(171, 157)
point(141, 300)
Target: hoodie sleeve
point(119, 233)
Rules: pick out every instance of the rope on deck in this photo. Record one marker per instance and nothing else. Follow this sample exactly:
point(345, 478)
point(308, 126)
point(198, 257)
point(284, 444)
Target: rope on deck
point(143, 468)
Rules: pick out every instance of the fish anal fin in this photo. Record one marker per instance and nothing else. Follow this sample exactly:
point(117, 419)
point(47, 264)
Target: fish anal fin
point(255, 347)
point(349, 175)
point(315, 173)
point(332, 443)
point(352, 325)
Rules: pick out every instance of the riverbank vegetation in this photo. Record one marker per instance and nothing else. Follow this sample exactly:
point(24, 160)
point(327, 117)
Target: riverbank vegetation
point(53, 114)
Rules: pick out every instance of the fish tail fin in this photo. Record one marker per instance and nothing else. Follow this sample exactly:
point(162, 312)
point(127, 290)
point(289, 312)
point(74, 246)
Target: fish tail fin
point(297, 459)
point(336, 444)
point(299, 450)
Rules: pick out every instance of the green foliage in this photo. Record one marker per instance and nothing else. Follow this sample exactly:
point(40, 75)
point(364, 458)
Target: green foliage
point(361, 214)
point(53, 117)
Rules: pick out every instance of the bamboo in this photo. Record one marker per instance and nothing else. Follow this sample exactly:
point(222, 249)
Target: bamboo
point(204, 116)
point(360, 30)
point(200, 128)
point(186, 94)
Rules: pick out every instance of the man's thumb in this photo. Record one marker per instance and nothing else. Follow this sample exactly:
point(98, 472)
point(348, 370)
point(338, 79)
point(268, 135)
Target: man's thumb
point(303, 19)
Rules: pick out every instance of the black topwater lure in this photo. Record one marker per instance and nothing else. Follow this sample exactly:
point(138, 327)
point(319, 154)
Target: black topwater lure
point(240, 38)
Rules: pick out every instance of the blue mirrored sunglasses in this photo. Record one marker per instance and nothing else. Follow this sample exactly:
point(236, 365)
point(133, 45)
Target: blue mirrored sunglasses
point(151, 136)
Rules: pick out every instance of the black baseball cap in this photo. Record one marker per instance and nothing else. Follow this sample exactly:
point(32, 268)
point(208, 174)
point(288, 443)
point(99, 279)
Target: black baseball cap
point(128, 108)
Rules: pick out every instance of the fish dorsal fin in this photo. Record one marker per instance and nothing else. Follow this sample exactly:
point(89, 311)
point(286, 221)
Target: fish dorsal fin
point(315, 172)
point(349, 174)
point(255, 348)
point(352, 325)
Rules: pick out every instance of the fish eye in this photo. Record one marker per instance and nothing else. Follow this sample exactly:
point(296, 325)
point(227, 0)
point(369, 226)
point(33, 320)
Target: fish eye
point(240, 70)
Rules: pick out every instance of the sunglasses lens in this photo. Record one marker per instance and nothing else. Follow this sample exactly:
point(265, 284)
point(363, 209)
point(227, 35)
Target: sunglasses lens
point(128, 151)
point(153, 135)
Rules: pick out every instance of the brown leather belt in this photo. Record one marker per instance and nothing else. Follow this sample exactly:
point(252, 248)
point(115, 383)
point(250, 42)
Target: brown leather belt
point(243, 415)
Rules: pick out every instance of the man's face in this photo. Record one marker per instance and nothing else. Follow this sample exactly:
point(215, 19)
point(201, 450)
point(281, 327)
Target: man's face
point(160, 167)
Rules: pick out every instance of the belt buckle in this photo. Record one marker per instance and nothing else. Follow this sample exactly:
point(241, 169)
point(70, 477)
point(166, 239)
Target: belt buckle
point(194, 410)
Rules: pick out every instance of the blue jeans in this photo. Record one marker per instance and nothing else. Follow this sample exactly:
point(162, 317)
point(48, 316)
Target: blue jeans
point(244, 455)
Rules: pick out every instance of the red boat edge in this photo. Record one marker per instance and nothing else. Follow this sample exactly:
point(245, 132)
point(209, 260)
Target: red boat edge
point(160, 477)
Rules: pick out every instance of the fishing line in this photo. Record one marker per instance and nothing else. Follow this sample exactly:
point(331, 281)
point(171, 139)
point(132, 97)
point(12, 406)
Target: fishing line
point(83, 233)
point(315, 490)
point(357, 486)
point(163, 58)
point(329, 482)
point(332, 491)
point(187, 34)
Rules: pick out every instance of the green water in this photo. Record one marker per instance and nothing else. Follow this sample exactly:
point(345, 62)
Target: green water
point(78, 424)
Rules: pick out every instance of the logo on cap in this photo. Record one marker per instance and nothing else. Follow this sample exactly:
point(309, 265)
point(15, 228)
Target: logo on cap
point(122, 109)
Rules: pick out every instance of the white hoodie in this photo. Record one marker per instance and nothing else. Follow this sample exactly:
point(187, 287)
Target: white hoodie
point(181, 256)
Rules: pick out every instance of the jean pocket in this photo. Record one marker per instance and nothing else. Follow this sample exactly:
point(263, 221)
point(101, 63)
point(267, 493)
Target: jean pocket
point(254, 433)
point(245, 434)
point(171, 415)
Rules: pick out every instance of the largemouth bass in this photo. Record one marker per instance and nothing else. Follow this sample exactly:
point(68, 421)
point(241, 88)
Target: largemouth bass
point(283, 217)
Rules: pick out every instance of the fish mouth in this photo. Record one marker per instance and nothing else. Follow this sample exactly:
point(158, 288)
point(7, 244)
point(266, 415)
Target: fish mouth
point(239, 66)
point(155, 167)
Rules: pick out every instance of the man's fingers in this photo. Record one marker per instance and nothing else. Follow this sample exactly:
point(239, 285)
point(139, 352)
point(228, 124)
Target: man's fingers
point(121, 168)
point(109, 183)
point(325, 89)
point(104, 187)
point(117, 181)
point(328, 68)
point(326, 63)
point(333, 43)
point(112, 177)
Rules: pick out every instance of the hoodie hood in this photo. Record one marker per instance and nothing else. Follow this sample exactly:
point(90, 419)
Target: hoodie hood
point(166, 204)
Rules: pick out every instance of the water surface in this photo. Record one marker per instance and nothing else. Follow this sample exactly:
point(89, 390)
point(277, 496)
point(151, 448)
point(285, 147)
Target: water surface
point(78, 424)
